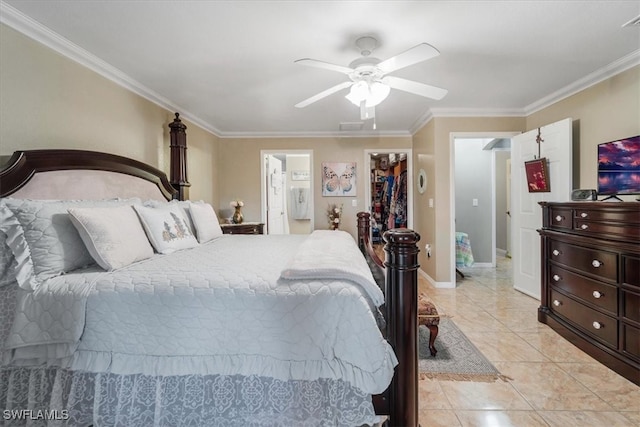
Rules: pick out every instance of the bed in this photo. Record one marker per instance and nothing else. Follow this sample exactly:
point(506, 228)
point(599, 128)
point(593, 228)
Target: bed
point(198, 336)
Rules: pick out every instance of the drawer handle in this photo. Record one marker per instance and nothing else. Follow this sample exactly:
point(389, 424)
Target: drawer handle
point(584, 215)
point(597, 325)
point(557, 303)
point(597, 294)
point(584, 226)
point(556, 252)
point(596, 263)
point(559, 218)
point(556, 277)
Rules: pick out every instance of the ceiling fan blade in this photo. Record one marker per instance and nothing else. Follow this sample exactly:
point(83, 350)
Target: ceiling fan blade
point(323, 94)
point(325, 65)
point(415, 87)
point(416, 54)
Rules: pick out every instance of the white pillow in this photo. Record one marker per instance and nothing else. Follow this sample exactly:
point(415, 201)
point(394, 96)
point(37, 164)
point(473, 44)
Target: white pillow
point(205, 221)
point(183, 204)
point(166, 228)
point(113, 235)
point(42, 238)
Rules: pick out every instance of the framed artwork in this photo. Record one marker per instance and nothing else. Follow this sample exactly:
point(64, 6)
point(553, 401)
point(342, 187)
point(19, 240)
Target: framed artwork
point(300, 175)
point(339, 179)
point(537, 176)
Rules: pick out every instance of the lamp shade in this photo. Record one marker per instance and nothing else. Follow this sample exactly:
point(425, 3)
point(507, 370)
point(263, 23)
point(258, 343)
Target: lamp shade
point(372, 93)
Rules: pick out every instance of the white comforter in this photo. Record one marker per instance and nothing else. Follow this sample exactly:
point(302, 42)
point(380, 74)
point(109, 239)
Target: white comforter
point(220, 308)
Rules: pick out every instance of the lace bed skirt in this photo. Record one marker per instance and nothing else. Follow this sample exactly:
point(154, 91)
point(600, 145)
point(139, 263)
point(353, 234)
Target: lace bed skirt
point(57, 397)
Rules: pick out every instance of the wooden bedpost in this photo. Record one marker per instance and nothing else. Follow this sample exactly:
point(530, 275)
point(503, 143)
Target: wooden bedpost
point(401, 292)
point(400, 400)
point(178, 168)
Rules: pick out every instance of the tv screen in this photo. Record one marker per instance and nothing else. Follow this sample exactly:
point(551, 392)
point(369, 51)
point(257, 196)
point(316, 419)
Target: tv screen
point(619, 166)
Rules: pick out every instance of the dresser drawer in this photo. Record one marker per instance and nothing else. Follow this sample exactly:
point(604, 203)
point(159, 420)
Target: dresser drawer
point(631, 271)
point(631, 340)
point(630, 306)
point(591, 261)
point(597, 293)
point(562, 218)
point(589, 320)
point(626, 216)
point(607, 228)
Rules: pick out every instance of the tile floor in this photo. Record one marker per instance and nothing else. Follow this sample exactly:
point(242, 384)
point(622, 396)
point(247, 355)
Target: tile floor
point(554, 383)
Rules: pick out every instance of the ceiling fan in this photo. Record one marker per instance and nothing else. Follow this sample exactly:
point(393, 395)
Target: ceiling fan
point(369, 80)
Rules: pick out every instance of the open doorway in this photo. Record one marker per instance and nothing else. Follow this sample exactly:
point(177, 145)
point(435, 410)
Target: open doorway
point(389, 193)
point(480, 198)
point(287, 191)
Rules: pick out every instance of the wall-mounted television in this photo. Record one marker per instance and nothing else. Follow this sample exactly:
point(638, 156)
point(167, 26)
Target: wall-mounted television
point(619, 167)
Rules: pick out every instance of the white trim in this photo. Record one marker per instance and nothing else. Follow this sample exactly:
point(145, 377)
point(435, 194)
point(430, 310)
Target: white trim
point(367, 179)
point(22, 23)
point(484, 264)
point(345, 134)
point(501, 252)
point(616, 67)
point(452, 187)
point(263, 181)
point(439, 285)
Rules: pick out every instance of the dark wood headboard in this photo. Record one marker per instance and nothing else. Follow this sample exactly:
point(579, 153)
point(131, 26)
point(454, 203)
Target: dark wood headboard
point(23, 165)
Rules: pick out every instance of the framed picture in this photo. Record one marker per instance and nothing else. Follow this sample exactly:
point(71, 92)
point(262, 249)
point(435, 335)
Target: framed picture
point(339, 179)
point(537, 176)
point(300, 175)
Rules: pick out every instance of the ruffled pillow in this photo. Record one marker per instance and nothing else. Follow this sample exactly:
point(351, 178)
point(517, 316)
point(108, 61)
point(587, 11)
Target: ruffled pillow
point(42, 238)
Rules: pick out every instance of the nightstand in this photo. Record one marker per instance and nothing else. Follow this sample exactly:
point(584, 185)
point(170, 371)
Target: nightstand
point(244, 228)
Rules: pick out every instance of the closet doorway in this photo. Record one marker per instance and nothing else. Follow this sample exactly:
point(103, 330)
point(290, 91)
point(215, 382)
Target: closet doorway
point(287, 191)
point(389, 193)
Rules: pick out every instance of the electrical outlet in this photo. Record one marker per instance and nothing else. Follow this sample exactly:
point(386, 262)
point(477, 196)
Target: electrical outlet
point(430, 203)
point(354, 203)
point(427, 248)
point(475, 202)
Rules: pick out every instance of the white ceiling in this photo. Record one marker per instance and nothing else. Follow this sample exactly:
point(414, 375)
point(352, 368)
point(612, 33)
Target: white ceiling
point(229, 65)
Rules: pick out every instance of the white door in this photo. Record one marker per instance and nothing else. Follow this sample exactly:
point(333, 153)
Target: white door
point(526, 214)
point(275, 196)
point(508, 186)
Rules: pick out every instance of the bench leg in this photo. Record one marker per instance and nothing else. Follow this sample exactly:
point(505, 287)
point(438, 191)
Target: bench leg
point(433, 333)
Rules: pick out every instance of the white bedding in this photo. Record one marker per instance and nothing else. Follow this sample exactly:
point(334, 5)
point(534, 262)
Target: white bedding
point(219, 308)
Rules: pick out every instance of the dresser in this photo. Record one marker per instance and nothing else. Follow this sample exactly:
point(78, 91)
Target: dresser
point(244, 228)
point(591, 279)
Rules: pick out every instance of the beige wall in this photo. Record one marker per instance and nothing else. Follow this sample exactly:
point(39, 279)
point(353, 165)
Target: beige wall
point(431, 150)
point(604, 112)
point(49, 101)
point(239, 172)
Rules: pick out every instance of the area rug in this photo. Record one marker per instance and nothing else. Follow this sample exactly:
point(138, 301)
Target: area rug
point(457, 358)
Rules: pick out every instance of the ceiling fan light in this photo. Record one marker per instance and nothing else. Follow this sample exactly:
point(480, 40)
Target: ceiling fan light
point(378, 93)
point(358, 93)
point(373, 94)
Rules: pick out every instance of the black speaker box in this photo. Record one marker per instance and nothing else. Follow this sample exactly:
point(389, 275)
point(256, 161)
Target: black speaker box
point(584, 195)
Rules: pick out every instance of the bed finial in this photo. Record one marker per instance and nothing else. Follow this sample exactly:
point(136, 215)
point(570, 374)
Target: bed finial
point(178, 145)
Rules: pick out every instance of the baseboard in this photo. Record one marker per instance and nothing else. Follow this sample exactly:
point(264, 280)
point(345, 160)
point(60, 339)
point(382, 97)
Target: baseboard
point(483, 265)
point(501, 252)
point(439, 285)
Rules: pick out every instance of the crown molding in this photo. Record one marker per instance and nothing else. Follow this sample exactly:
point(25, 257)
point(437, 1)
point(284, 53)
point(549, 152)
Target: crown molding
point(626, 62)
point(337, 134)
point(31, 28)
